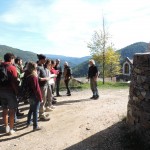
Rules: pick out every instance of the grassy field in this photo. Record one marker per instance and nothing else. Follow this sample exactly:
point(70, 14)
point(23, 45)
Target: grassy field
point(85, 85)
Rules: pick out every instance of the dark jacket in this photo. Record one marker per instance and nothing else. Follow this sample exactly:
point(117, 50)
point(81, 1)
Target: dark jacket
point(93, 71)
point(67, 72)
point(41, 74)
point(58, 67)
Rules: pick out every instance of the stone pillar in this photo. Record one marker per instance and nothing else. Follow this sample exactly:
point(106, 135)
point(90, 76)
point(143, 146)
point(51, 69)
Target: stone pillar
point(138, 109)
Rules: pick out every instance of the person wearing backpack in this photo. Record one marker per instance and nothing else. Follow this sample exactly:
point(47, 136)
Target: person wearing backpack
point(8, 92)
point(67, 76)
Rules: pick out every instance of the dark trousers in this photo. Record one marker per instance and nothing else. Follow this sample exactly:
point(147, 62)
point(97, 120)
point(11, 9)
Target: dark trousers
point(57, 84)
point(67, 85)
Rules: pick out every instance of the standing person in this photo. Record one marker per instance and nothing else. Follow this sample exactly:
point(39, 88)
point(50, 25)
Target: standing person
point(50, 96)
point(58, 78)
point(93, 76)
point(67, 77)
point(43, 85)
point(20, 72)
point(35, 98)
point(53, 71)
point(8, 93)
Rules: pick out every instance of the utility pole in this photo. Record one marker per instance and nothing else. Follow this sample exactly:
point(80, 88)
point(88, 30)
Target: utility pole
point(104, 40)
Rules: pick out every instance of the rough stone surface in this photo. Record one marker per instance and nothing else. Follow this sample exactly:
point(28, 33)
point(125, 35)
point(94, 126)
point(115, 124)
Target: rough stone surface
point(138, 111)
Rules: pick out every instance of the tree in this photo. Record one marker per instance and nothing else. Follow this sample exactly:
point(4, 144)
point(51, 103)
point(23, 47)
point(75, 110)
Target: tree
point(98, 46)
point(112, 62)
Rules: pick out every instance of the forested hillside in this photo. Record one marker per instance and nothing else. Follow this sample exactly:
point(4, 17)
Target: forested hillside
point(80, 70)
point(28, 56)
point(73, 61)
point(79, 65)
point(129, 51)
point(25, 55)
point(139, 47)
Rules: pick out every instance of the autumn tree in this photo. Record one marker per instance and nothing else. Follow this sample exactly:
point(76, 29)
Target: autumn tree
point(112, 62)
point(103, 53)
point(98, 46)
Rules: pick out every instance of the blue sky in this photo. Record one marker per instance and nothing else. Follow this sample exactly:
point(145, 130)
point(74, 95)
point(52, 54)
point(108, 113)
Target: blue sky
point(64, 27)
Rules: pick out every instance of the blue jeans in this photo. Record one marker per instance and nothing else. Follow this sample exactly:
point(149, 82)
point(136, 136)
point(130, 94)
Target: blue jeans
point(33, 110)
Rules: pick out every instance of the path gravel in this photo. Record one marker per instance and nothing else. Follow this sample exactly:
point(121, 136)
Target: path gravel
point(77, 123)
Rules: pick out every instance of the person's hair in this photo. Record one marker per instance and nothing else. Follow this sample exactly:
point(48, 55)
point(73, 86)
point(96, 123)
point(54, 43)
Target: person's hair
point(66, 63)
point(17, 59)
point(31, 66)
point(8, 57)
point(92, 61)
point(53, 62)
point(48, 61)
point(41, 56)
point(57, 60)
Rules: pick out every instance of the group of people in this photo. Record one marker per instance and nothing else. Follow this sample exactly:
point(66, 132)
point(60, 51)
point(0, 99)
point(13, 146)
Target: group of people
point(43, 79)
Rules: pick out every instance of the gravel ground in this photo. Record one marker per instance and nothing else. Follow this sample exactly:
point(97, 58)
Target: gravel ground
point(77, 123)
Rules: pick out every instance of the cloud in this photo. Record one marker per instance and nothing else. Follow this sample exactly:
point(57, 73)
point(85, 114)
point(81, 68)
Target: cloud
point(65, 26)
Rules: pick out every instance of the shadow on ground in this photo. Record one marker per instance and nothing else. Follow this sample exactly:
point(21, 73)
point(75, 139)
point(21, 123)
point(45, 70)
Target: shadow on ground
point(116, 137)
point(71, 101)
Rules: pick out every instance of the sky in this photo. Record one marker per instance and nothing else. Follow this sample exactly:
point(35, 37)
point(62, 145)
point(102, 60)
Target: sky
point(64, 27)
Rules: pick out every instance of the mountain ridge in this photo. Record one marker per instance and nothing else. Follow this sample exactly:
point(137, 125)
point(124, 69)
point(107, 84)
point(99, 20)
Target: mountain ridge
point(79, 65)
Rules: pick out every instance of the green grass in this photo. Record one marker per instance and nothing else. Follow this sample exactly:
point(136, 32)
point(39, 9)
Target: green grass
point(107, 85)
point(113, 85)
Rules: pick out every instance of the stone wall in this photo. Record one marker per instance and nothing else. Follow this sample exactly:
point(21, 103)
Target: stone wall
point(138, 109)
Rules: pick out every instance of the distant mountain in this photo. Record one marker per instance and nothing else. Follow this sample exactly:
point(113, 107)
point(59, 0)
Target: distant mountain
point(73, 61)
point(25, 55)
point(30, 56)
point(139, 47)
point(129, 51)
point(78, 65)
point(80, 70)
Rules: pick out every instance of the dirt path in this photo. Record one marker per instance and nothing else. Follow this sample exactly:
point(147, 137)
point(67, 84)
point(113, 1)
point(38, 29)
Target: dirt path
point(77, 123)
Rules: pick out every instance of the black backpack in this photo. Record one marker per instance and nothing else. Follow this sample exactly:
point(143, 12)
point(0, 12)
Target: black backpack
point(4, 80)
point(25, 91)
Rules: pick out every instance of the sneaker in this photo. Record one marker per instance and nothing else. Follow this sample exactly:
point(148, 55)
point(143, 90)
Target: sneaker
point(7, 129)
point(54, 102)
point(44, 118)
point(11, 132)
point(92, 97)
point(54, 98)
point(68, 94)
point(48, 109)
point(96, 97)
point(53, 107)
point(36, 128)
